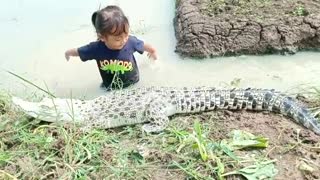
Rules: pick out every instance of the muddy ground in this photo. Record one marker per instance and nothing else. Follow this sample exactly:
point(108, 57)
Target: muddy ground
point(290, 145)
point(207, 28)
point(283, 140)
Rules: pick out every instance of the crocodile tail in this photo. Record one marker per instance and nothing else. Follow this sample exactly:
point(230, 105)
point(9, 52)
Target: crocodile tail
point(290, 107)
point(264, 99)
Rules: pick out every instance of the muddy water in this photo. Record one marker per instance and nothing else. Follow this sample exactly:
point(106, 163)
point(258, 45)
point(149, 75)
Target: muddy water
point(36, 33)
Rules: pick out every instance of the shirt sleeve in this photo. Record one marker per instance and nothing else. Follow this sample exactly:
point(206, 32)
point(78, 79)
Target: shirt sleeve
point(88, 52)
point(137, 44)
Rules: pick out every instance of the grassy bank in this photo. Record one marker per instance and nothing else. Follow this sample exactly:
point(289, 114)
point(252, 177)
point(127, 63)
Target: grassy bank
point(194, 147)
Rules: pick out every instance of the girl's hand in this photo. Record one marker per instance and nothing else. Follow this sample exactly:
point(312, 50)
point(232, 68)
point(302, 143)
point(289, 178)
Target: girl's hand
point(71, 52)
point(67, 55)
point(151, 51)
point(152, 55)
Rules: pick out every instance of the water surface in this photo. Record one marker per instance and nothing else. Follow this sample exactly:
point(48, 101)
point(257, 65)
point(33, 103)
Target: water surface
point(35, 35)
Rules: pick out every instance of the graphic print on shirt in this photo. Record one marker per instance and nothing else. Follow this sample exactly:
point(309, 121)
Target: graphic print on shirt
point(113, 66)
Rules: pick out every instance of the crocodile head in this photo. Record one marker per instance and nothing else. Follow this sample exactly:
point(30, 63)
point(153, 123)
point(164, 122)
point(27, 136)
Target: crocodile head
point(50, 110)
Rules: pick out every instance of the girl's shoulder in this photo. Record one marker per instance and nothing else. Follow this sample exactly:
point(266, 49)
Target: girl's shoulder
point(96, 43)
point(133, 38)
point(135, 44)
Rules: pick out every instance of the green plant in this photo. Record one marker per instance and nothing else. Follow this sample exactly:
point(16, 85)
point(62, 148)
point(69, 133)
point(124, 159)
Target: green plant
point(300, 11)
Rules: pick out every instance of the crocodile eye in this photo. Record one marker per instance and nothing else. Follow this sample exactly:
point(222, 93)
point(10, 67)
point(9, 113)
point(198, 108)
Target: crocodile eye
point(44, 107)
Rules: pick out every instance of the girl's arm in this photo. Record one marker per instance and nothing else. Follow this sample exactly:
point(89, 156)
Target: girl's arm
point(71, 52)
point(151, 51)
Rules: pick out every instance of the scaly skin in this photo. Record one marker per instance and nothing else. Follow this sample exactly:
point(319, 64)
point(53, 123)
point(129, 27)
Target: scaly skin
point(156, 104)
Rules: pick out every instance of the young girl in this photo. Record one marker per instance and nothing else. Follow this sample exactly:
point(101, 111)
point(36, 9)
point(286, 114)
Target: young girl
point(114, 48)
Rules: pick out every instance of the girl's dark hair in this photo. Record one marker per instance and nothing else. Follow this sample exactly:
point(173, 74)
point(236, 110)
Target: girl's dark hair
point(110, 21)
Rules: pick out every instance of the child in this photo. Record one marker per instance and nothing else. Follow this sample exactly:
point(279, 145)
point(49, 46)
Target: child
point(114, 48)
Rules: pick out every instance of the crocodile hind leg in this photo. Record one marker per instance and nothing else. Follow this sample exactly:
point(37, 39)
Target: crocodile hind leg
point(156, 114)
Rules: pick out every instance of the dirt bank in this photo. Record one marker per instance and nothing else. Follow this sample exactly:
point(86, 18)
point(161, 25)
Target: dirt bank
point(207, 28)
point(290, 144)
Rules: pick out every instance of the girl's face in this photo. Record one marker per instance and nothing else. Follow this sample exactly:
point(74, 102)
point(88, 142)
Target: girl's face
point(115, 42)
point(117, 38)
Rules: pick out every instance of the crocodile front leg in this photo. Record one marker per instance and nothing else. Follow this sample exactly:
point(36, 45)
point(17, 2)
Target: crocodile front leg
point(156, 114)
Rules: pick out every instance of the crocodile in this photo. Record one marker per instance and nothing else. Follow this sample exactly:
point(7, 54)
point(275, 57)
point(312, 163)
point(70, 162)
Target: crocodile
point(153, 106)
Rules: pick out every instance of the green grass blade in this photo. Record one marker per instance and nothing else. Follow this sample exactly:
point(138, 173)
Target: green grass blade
point(29, 82)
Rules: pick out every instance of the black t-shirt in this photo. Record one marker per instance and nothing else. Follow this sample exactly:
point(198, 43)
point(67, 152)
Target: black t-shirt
point(110, 62)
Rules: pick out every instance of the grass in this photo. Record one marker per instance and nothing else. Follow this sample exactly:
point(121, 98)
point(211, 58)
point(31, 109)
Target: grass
point(249, 8)
point(300, 10)
point(236, 6)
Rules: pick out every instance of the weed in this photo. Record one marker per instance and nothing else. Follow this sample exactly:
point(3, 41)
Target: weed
point(300, 10)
